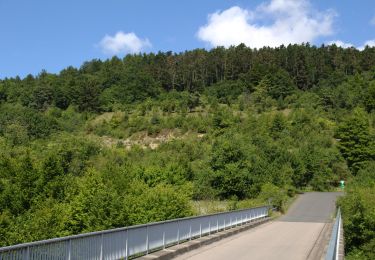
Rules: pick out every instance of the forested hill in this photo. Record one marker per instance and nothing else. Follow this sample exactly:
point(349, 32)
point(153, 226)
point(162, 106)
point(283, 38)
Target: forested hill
point(156, 136)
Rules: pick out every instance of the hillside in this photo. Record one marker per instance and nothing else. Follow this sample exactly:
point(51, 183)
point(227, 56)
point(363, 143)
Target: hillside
point(148, 137)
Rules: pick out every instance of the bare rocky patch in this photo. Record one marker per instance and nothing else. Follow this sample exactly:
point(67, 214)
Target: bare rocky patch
point(144, 140)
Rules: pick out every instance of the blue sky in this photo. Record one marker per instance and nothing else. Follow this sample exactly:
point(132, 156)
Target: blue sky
point(51, 35)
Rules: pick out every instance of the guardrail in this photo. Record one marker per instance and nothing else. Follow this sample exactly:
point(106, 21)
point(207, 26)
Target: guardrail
point(131, 241)
point(334, 243)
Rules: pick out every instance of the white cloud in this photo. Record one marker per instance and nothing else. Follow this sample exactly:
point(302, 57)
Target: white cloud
point(370, 43)
point(123, 43)
point(292, 21)
point(341, 44)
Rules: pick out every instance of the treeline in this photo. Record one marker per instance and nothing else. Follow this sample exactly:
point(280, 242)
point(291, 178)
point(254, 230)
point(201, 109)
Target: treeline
point(99, 85)
point(128, 141)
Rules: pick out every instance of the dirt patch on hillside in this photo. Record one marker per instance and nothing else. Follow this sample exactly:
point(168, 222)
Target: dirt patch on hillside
point(144, 140)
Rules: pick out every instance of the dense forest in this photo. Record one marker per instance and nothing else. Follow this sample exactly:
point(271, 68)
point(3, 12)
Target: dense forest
point(145, 138)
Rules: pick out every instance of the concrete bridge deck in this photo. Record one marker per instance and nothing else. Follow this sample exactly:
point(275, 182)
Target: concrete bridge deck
point(302, 233)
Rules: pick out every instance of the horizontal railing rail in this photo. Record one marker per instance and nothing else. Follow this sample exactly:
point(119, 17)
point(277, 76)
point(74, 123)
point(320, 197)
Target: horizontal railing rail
point(334, 243)
point(122, 243)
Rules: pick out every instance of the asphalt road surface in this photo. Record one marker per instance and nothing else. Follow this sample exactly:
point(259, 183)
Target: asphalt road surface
point(296, 235)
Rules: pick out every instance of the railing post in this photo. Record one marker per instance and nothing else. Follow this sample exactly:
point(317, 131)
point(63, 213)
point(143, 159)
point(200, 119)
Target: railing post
point(224, 223)
point(209, 226)
point(163, 237)
point(101, 247)
point(178, 232)
point(127, 245)
point(70, 250)
point(217, 225)
point(28, 253)
point(190, 232)
point(200, 229)
point(147, 242)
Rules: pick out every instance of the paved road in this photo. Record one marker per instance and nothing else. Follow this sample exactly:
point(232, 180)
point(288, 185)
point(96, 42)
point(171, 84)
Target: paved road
point(296, 235)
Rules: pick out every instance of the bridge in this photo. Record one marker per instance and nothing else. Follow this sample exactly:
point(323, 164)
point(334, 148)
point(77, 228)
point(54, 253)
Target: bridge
point(307, 231)
point(303, 233)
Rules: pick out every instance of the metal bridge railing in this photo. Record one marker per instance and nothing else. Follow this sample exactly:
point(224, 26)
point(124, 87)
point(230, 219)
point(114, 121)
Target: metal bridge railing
point(122, 243)
point(334, 243)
